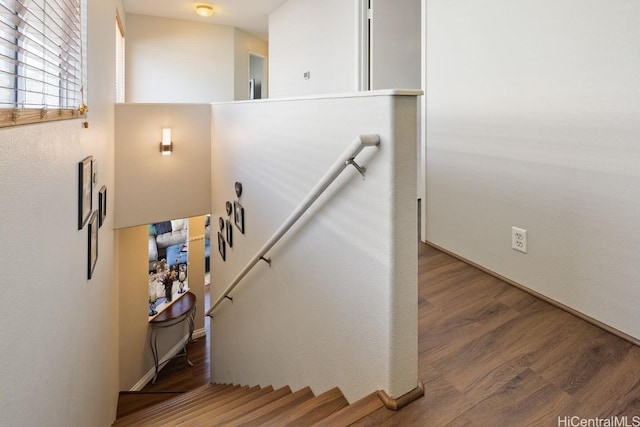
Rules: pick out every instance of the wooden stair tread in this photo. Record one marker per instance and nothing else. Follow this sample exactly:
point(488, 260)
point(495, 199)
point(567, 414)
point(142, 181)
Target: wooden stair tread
point(169, 417)
point(175, 401)
point(212, 410)
point(352, 413)
point(215, 405)
point(130, 402)
point(311, 411)
point(247, 408)
point(272, 410)
point(180, 403)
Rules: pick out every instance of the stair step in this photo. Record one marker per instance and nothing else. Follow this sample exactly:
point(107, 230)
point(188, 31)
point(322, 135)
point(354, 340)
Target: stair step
point(247, 408)
point(217, 405)
point(208, 391)
point(352, 413)
point(212, 411)
point(311, 411)
point(134, 401)
point(272, 410)
point(169, 417)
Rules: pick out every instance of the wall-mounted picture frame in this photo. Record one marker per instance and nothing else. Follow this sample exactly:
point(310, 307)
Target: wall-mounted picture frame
point(229, 234)
point(102, 205)
point(238, 217)
point(228, 208)
point(94, 172)
point(93, 244)
point(85, 191)
point(221, 247)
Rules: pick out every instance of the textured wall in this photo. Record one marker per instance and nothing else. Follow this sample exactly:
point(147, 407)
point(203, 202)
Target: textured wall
point(59, 334)
point(170, 60)
point(338, 305)
point(532, 121)
point(319, 37)
point(152, 187)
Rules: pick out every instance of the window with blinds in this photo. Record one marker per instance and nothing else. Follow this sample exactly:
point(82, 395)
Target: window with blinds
point(41, 60)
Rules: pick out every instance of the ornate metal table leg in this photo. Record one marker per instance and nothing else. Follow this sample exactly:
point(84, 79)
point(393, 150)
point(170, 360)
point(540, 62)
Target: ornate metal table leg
point(191, 321)
point(153, 336)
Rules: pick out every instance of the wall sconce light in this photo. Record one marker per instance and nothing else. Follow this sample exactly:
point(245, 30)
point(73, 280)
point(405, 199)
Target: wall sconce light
point(204, 10)
point(166, 146)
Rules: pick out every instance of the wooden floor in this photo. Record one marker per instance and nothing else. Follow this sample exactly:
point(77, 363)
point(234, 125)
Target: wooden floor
point(492, 355)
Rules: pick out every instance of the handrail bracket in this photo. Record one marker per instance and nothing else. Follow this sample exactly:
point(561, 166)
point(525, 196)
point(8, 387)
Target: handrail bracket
point(352, 162)
point(267, 260)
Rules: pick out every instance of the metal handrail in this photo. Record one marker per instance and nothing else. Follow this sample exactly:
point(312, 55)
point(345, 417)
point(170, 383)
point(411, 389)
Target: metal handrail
point(345, 160)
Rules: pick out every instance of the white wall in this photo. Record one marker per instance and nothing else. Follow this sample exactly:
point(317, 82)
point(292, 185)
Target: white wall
point(533, 121)
point(152, 187)
point(319, 37)
point(395, 44)
point(244, 44)
point(170, 60)
point(338, 306)
point(59, 334)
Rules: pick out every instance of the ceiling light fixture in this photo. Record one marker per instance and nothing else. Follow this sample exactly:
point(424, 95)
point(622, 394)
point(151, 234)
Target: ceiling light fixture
point(204, 10)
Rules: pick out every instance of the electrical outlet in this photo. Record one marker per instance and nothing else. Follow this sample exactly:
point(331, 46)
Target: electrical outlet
point(519, 239)
point(307, 75)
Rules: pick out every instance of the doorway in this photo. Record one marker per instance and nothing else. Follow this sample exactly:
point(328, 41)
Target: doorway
point(257, 76)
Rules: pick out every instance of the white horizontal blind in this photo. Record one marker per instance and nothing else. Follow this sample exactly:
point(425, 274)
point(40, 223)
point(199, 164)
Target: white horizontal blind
point(41, 75)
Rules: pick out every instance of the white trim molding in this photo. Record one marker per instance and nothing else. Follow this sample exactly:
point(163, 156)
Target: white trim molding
point(176, 349)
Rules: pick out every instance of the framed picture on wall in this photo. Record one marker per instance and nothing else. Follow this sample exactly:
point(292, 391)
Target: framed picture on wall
point(85, 192)
point(222, 247)
point(93, 244)
point(239, 216)
point(94, 172)
point(229, 234)
point(102, 205)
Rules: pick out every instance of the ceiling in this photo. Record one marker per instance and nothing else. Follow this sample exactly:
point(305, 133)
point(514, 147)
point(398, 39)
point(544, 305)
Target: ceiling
point(251, 16)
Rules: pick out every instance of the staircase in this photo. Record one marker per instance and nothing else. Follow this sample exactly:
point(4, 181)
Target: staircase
point(229, 405)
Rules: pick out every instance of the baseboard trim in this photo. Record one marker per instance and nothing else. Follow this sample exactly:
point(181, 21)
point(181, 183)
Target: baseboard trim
point(176, 349)
point(199, 333)
point(586, 318)
point(402, 401)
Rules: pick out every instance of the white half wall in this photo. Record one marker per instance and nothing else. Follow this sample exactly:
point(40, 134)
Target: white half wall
point(151, 187)
point(533, 114)
point(338, 306)
point(313, 36)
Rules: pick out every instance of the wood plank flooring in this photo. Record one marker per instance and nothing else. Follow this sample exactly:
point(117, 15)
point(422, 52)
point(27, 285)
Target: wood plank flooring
point(491, 355)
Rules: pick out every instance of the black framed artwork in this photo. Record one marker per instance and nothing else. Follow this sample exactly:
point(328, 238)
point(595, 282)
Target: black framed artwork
point(93, 244)
point(239, 216)
point(94, 172)
point(102, 205)
point(229, 234)
point(85, 192)
point(221, 247)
